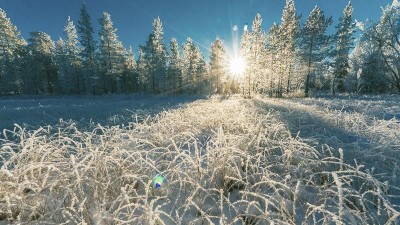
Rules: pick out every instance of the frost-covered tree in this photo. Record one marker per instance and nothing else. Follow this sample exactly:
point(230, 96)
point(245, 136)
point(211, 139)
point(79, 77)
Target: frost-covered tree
point(245, 54)
point(188, 65)
point(313, 41)
point(218, 65)
point(73, 59)
point(386, 34)
point(194, 68)
point(201, 80)
point(64, 77)
point(21, 64)
point(367, 64)
point(343, 38)
point(175, 68)
point(111, 55)
point(129, 75)
point(288, 31)
point(88, 53)
point(373, 77)
point(43, 77)
point(272, 56)
point(10, 44)
point(143, 71)
point(253, 49)
point(155, 53)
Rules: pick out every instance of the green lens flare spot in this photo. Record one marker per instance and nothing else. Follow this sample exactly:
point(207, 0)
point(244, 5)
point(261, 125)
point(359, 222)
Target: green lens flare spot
point(159, 181)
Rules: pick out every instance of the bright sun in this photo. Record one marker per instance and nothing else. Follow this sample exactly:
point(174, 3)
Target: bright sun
point(237, 66)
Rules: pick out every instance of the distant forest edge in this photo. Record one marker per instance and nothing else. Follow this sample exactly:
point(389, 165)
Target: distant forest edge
point(291, 58)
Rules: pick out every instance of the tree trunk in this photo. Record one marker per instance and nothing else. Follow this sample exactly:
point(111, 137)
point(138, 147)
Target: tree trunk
point(288, 81)
point(309, 70)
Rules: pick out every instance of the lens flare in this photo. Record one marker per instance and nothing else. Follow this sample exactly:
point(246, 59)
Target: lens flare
point(235, 28)
point(159, 181)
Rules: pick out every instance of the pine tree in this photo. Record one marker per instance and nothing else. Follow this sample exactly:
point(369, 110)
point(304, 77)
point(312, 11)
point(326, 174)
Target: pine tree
point(64, 77)
point(143, 70)
point(21, 65)
point(218, 64)
point(74, 63)
point(129, 76)
point(288, 31)
point(10, 42)
point(111, 55)
point(88, 52)
point(188, 65)
point(43, 75)
point(155, 53)
point(272, 55)
point(314, 42)
point(201, 80)
point(343, 37)
point(245, 54)
point(175, 68)
point(194, 72)
point(253, 49)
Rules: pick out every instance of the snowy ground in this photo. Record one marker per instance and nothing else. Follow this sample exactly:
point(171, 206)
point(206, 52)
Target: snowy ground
point(36, 111)
point(227, 161)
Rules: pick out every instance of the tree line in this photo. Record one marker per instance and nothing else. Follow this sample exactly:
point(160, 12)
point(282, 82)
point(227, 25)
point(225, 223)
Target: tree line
point(291, 58)
point(298, 59)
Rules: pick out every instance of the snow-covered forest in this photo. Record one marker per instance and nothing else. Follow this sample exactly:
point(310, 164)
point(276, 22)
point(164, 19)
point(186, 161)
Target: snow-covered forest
point(302, 126)
point(290, 58)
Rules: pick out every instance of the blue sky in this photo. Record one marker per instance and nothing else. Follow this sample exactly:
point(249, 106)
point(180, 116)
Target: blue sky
point(202, 20)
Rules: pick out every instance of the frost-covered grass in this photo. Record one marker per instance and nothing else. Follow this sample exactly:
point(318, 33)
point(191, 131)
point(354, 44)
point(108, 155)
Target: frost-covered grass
point(227, 161)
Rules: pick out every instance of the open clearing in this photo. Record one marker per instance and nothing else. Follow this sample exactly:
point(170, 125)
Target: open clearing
point(226, 161)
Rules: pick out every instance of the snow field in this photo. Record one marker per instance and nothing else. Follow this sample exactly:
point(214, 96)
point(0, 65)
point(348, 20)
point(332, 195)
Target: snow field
point(227, 161)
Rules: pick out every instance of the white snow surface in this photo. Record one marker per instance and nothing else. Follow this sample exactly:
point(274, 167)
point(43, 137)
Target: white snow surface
point(228, 160)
